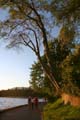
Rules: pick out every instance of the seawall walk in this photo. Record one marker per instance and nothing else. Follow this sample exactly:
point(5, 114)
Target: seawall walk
point(23, 113)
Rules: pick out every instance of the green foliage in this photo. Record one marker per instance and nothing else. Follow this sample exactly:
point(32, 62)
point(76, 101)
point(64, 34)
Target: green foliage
point(66, 34)
point(36, 75)
point(39, 81)
point(71, 72)
point(58, 111)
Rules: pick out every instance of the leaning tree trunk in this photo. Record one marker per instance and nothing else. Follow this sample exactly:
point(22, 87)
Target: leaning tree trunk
point(47, 69)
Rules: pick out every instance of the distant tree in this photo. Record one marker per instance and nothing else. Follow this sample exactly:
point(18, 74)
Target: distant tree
point(37, 76)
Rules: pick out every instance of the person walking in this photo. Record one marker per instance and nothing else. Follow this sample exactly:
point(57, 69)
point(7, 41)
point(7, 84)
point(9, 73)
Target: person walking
point(29, 101)
point(32, 103)
point(36, 102)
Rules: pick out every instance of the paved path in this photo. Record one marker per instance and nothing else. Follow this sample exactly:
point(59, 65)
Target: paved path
point(22, 113)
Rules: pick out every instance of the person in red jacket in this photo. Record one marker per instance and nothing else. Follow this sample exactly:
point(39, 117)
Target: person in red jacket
point(36, 102)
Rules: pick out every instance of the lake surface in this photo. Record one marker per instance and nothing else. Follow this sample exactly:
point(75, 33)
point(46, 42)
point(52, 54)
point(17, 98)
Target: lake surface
point(6, 103)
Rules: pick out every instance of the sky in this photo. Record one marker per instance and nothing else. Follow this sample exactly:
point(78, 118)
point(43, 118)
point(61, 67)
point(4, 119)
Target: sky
point(15, 68)
point(15, 65)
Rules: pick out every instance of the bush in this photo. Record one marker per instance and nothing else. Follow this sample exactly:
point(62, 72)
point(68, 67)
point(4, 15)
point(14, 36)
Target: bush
point(58, 111)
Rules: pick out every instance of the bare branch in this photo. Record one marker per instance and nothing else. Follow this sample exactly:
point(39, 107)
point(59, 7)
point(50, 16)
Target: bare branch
point(15, 26)
point(35, 37)
point(27, 43)
point(12, 44)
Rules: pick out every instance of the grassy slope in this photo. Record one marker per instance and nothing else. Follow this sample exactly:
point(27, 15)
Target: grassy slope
point(58, 111)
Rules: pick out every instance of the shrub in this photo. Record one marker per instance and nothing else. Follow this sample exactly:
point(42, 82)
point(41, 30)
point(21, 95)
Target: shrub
point(58, 111)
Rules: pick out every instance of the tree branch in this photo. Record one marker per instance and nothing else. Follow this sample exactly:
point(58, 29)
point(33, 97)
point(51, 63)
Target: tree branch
point(27, 44)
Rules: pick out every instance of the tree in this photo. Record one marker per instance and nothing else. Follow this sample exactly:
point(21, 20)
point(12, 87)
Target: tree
point(26, 26)
point(36, 76)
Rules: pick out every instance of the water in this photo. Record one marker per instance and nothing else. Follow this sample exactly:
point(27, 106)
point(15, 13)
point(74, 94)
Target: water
point(6, 103)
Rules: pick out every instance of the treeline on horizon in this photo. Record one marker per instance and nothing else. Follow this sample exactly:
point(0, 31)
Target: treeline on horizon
point(20, 92)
